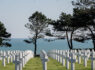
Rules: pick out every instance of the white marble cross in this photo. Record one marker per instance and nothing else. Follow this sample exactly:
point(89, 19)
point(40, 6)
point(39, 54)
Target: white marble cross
point(79, 57)
point(20, 59)
point(8, 56)
point(67, 59)
point(73, 61)
point(4, 60)
point(85, 58)
point(16, 62)
point(44, 58)
point(93, 60)
point(63, 58)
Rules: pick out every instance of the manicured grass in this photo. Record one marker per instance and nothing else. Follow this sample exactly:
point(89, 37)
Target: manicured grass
point(9, 66)
point(36, 64)
point(54, 65)
point(81, 66)
point(33, 64)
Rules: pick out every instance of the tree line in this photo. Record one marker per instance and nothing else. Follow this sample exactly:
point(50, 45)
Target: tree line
point(83, 19)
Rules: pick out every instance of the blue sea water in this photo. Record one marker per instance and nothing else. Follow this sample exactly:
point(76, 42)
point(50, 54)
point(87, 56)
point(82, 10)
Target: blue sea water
point(19, 44)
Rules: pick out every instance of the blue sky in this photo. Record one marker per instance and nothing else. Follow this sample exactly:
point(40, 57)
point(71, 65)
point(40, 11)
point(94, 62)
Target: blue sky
point(15, 13)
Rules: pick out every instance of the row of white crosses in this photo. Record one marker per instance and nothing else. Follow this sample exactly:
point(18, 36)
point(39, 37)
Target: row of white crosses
point(19, 58)
point(61, 56)
point(44, 58)
point(66, 56)
point(85, 54)
point(22, 58)
point(6, 55)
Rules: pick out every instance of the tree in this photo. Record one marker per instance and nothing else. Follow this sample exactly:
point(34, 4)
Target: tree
point(63, 26)
point(37, 28)
point(4, 36)
point(66, 20)
point(83, 17)
point(84, 4)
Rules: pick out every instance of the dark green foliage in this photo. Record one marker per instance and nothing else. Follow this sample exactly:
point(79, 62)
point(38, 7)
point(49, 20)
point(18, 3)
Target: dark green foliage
point(4, 36)
point(27, 41)
point(83, 13)
point(49, 34)
point(37, 17)
point(82, 18)
point(65, 19)
point(63, 22)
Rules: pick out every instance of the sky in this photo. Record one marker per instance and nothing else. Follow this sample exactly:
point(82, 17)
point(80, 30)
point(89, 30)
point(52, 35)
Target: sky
point(15, 13)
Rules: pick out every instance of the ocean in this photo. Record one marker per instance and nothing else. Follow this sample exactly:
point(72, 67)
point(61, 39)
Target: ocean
point(19, 44)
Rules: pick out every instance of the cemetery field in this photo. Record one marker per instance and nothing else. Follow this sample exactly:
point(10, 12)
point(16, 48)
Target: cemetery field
point(36, 64)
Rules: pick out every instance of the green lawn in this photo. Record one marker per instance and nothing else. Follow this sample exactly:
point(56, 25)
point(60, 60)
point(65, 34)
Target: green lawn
point(9, 66)
point(33, 64)
point(36, 64)
point(54, 65)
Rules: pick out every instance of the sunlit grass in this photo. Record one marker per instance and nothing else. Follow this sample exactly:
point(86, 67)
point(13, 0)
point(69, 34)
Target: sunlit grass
point(33, 64)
